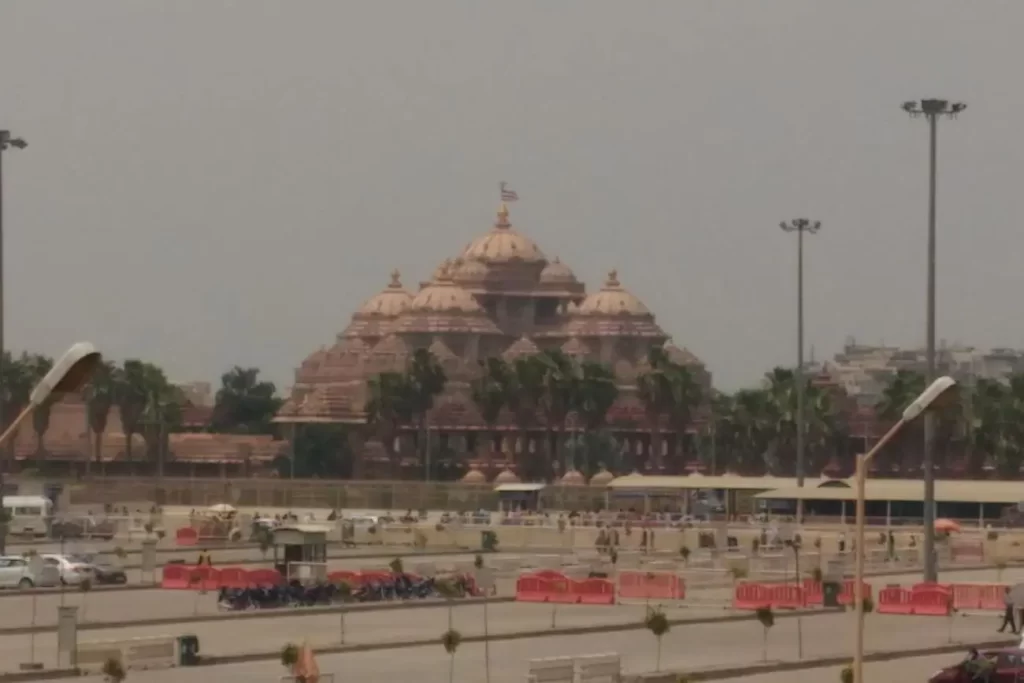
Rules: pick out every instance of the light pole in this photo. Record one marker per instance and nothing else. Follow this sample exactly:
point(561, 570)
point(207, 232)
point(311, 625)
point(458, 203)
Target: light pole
point(932, 110)
point(929, 399)
point(6, 142)
point(800, 226)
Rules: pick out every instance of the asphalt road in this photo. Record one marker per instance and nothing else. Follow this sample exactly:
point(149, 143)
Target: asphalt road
point(684, 647)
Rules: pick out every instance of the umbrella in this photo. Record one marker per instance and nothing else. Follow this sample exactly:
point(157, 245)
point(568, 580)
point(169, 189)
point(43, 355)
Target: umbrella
point(305, 668)
point(222, 508)
point(946, 525)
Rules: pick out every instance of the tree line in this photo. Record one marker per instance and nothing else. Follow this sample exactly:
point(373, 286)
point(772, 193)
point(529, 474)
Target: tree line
point(148, 404)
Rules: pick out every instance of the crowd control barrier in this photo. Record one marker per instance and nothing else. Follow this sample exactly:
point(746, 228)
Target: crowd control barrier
point(552, 586)
point(186, 536)
point(931, 600)
point(974, 596)
point(814, 594)
point(182, 577)
point(640, 585)
point(752, 596)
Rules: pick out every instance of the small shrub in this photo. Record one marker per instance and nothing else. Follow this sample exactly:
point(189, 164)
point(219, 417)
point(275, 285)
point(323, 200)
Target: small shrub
point(344, 591)
point(419, 539)
point(451, 639)
point(289, 655)
point(160, 534)
point(755, 545)
point(120, 553)
point(148, 527)
point(992, 535)
point(85, 585)
point(372, 529)
point(478, 561)
point(846, 674)
point(817, 575)
point(882, 538)
point(765, 616)
point(684, 553)
point(817, 543)
point(489, 541)
point(439, 527)
point(396, 566)
point(738, 573)
point(113, 670)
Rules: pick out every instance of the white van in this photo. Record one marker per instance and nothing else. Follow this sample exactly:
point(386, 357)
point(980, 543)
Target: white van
point(29, 515)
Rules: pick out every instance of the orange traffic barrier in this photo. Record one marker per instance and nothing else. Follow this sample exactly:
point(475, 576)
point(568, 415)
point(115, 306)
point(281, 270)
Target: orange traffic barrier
point(814, 592)
point(650, 586)
point(233, 577)
point(931, 601)
point(751, 596)
point(531, 588)
point(203, 577)
point(561, 589)
point(265, 578)
point(895, 600)
point(345, 576)
point(847, 596)
point(186, 536)
point(979, 596)
point(595, 591)
point(787, 596)
point(174, 577)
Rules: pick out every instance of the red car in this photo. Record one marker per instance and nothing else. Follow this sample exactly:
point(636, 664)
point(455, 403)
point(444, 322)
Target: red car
point(1003, 666)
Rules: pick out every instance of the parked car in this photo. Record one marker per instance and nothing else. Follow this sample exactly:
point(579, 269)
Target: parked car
point(17, 572)
point(71, 571)
point(1004, 666)
point(103, 571)
point(83, 527)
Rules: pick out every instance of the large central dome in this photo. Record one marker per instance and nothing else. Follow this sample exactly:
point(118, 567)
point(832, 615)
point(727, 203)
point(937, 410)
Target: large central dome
point(503, 244)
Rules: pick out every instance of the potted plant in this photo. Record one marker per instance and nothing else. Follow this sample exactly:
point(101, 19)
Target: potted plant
point(657, 623)
point(396, 566)
point(113, 670)
point(289, 655)
point(451, 639)
point(846, 674)
point(766, 618)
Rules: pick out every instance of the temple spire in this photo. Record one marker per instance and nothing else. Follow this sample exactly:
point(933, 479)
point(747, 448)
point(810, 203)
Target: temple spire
point(502, 221)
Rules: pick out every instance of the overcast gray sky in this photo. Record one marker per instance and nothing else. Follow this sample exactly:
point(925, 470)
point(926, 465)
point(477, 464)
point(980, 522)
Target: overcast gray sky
point(215, 182)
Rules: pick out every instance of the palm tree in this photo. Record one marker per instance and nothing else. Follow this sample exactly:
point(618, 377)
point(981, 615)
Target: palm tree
point(132, 396)
point(561, 384)
point(524, 402)
point(100, 398)
point(16, 384)
point(595, 396)
point(687, 397)
point(654, 388)
point(998, 429)
point(388, 408)
point(426, 380)
point(901, 390)
point(490, 392)
point(37, 367)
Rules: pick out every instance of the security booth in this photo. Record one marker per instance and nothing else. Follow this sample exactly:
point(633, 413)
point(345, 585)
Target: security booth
point(300, 552)
point(519, 497)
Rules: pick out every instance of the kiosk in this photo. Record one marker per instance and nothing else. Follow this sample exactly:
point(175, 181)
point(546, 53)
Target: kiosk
point(300, 552)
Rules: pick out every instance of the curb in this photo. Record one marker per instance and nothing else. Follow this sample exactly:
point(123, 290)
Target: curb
point(248, 615)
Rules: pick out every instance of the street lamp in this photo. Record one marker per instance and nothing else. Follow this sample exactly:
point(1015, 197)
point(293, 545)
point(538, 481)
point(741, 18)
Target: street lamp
point(800, 226)
point(930, 398)
point(932, 110)
point(6, 142)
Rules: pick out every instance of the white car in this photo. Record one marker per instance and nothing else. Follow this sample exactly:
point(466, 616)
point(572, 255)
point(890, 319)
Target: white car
point(16, 572)
point(71, 570)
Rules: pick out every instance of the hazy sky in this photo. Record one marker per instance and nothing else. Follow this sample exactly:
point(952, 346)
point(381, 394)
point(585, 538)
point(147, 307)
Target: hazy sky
point(213, 182)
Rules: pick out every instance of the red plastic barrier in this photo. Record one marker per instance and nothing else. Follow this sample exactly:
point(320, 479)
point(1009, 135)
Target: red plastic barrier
point(993, 597)
point(530, 588)
point(265, 577)
point(186, 536)
point(345, 576)
point(548, 574)
point(650, 586)
point(813, 593)
point(787, 597)
point(931, 601)
point(595, 592)
point(847, 596)
point(203, 577)
point(374, 576)
point(751, 596)
point(895, 600)
point(233, 577)
point(174, 577)
point(561, 590)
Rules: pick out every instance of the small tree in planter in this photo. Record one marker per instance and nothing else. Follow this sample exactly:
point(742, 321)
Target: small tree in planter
point(451, 639)
point(396, 566)
point(489, 541)
point(766, 618)
point(684, 553)
point(120, 553)
point(289, 656)
point(817, 576)
point(657, 623)
point(846, 674)
point(478, 561)
point(113, 670)
point(737, 573)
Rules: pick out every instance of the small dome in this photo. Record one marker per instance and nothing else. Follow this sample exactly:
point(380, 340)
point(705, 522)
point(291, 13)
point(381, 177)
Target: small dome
point(681, 356)
point(503, 244)
point(469, 269)
point(391, 302)
point(444, 296)
point(557, 272)
point(474, 476)
point(613, 300)
point(602, 478)
point(573, 478)
point(521, 348)
point(506, 477)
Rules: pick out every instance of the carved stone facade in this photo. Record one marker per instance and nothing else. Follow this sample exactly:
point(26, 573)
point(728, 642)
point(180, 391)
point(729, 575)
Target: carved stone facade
point(500, 297)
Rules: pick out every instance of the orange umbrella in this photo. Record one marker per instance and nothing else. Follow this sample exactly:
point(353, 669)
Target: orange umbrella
point(306, 669)
point(946, 525)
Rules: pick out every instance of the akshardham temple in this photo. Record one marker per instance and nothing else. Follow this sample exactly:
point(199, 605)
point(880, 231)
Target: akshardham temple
point(500, 297)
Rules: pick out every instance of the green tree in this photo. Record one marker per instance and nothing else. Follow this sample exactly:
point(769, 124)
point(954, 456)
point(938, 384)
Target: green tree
point(524, 402)
point(596, 394)
point(132, 395)
point(559, 398)
point(425, 380)
point(100, 397)
point(244, 403)
point(654, 389)
point(16, 381)
point(687, 397)
point(387, 409)
point(905, 454)
point(490, 392)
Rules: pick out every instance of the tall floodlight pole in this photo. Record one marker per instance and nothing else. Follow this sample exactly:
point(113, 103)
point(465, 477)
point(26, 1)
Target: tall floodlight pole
point(932, 111)
point(6, 142)
point(800, 226)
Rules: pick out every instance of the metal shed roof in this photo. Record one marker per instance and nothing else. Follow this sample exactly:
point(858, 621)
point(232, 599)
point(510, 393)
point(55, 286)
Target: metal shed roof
point(635, 482)
point(946, 491)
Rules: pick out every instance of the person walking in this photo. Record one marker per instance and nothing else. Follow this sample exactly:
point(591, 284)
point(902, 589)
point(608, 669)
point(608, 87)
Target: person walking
point(1008, 613)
